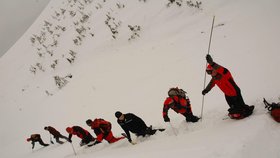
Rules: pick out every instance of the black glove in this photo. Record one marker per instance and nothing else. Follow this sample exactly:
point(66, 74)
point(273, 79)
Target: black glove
point(82, 143)
point(209, 59)
point(166, 119)
point(205, 91)
point(69, 140)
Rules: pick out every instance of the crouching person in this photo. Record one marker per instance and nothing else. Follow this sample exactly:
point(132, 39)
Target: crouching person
point(102, 129)
point(55, 134)
point(86, 137)
point(36, 138)
point(180, 103)
point(134, 124)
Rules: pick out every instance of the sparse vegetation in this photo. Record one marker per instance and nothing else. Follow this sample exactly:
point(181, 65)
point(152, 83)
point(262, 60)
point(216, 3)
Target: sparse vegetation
point(135, 31)
point(60, 82)
point(189, 3)
point(78, 17)
point(112, 24)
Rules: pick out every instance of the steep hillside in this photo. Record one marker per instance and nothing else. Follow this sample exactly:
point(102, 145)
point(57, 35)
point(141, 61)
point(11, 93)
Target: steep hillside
point(88, 58)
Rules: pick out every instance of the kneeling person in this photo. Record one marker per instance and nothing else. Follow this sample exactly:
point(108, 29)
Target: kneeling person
point(81, 133)
point(36, 138)
point(132, 123)
point(103, 130)
point(180, 103)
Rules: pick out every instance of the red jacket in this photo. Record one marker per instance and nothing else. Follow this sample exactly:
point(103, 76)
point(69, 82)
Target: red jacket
point(178, 104)
point(80, 132)
point(101, 128)
point(224, 81)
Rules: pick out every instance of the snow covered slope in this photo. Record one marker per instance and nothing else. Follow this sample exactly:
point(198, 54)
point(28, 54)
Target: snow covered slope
point(125, 55)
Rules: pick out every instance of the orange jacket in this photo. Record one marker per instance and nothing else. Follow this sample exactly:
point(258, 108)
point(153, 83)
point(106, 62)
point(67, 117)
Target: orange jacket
point(101, 128)
point(178, 104)
point(224, 81)
point(80, 132)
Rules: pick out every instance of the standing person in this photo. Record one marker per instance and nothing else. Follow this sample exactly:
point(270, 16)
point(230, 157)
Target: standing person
point(180, 103)
point(102, 129)
point(56, 134)
point(223, 79)
point(81, 133)
point(36, 138)
point(134, 124)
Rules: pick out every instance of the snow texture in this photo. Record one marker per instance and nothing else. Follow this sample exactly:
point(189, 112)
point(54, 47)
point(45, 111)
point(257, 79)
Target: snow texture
point(130, 69)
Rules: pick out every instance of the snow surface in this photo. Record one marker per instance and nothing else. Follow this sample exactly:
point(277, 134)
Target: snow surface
point(134, 76)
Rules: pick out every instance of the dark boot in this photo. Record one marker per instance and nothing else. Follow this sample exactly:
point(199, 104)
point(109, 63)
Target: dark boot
point(191, 118)
point(248, 110)
point(150, 131)
point(241, 113)
point(58, 141)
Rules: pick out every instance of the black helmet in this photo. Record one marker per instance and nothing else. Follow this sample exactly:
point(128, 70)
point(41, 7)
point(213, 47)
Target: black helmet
point(88, 122)
point(46, 128)
point(118, 114)
point(173, 91)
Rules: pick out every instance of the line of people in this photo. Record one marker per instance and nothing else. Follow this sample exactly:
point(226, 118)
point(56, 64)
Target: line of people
point(102, 129)
point(176, 100)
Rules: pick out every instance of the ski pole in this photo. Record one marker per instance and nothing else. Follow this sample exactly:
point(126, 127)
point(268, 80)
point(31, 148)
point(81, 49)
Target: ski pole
point(206, 66)
point(73, 149)
point(173, 129)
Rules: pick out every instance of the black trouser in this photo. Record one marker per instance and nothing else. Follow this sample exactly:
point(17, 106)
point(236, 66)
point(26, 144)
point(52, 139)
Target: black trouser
point(236, 103)
point(87, 139)
point(41, 142)
point(147, 131)
point(60, 136)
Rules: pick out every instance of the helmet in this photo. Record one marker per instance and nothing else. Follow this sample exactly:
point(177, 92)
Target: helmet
point(173, 92)
point(88, 122)
point(69, 130)
point(45, 128)
point(118, 114)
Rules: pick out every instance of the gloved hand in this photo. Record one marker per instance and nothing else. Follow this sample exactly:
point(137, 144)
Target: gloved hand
point(209, 59)
point(133, 143)
point(82, 143)
point(166, 119)
point(69, 140)
point(205, 91)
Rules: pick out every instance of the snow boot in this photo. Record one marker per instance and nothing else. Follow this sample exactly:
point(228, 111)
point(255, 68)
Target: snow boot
point(191, 118)
point(247, 111)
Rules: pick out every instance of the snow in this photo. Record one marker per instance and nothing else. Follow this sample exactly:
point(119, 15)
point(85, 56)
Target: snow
point(134, 76)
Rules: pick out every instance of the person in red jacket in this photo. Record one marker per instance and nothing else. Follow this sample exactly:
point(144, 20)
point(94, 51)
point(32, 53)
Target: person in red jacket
point(81, 133)
point(224, 80)
point(180, 103)
point(55, 134)
point(102, 129)
point(36, 138)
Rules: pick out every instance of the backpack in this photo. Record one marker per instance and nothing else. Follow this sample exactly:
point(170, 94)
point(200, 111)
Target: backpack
point(177, 92)
point(274, 109)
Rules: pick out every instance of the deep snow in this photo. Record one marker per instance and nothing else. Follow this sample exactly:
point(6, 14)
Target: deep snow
point(134, 76)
